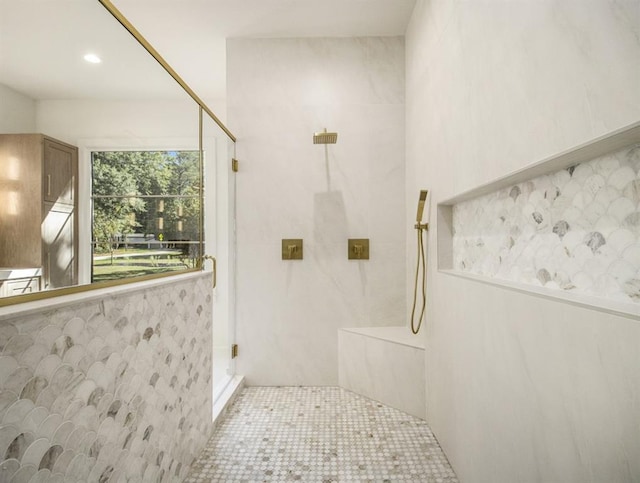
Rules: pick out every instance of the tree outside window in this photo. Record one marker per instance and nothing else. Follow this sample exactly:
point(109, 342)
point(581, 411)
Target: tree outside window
point(146, 212)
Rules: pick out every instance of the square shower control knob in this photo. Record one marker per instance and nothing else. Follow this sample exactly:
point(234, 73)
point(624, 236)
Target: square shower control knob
point(292, 249)
point(358, 249)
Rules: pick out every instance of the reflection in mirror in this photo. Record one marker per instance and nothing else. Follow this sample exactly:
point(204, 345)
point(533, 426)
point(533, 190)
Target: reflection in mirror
point(146, 212)
point(62, 118)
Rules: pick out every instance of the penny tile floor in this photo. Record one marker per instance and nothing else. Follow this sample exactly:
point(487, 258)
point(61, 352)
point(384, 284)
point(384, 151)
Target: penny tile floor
point(319, 434)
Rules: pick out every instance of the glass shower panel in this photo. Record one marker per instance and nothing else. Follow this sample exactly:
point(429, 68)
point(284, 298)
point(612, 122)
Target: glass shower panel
point(219, 222)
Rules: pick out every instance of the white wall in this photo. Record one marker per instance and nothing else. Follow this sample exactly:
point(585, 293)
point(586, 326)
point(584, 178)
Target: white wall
point(521, 388)
point(281, 91)
point(17, 112)
point(76, 121)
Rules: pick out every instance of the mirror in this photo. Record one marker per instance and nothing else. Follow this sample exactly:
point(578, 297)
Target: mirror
point(100, 171)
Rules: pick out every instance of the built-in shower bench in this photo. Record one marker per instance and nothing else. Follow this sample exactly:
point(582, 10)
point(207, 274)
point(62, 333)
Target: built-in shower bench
point(385, 364)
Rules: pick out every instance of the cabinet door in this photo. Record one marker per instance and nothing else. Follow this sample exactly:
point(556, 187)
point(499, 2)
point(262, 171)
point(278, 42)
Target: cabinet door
point(58, 248)
point(21, 286)
point(60, 166)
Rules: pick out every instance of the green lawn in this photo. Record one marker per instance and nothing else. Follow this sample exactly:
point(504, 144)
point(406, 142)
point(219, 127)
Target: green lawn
point(143, 262)
point(122, 251)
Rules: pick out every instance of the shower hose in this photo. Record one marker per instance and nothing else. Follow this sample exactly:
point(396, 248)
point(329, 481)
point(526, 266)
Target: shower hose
point(420, 262)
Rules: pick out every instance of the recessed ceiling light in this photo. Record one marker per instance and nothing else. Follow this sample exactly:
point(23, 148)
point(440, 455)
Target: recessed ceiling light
point(93, 58)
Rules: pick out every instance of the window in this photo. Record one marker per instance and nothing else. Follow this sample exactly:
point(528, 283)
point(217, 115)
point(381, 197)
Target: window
point(146, 212)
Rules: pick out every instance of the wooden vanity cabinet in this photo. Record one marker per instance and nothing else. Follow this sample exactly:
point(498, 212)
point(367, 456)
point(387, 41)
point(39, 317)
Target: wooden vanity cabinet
point(38, 205)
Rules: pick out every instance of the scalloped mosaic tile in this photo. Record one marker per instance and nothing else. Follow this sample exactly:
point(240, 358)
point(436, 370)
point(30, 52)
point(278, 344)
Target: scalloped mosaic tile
point(113, 390)
point(576, 230)
point(319, 435)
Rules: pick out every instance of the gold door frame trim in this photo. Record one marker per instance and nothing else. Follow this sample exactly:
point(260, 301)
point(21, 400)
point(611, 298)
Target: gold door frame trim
point(201, 186)
point(154, 53)
point(47, 294)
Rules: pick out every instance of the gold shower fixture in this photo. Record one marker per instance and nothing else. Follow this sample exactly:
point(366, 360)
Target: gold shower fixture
point(420, 262)
point(325, 137)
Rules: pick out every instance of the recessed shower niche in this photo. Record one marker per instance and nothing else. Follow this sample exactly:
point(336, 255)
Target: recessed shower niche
point(566, 227)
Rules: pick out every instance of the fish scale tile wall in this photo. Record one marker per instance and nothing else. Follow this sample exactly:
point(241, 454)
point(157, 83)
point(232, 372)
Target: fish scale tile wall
point(576, 230)
point(116, 389)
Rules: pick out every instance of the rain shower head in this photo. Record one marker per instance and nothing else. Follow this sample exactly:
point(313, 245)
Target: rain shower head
point(325, 137)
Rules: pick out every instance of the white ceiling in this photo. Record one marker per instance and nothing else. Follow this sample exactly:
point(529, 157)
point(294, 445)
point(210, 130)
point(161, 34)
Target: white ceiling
point(42, 41)
point(42, 44)
point(191, 34)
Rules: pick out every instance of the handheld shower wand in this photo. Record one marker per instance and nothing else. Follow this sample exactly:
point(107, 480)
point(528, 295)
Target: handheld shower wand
point(421, 202)
point(421, 261)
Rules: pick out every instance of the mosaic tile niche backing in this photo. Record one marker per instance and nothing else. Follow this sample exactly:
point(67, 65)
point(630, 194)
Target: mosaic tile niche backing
point(575, 230)
point(112, 389)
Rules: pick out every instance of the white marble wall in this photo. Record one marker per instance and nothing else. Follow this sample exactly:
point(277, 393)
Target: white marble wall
point(281, 91)
point(114, 388)
point(385, 364)
point(521, 388)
